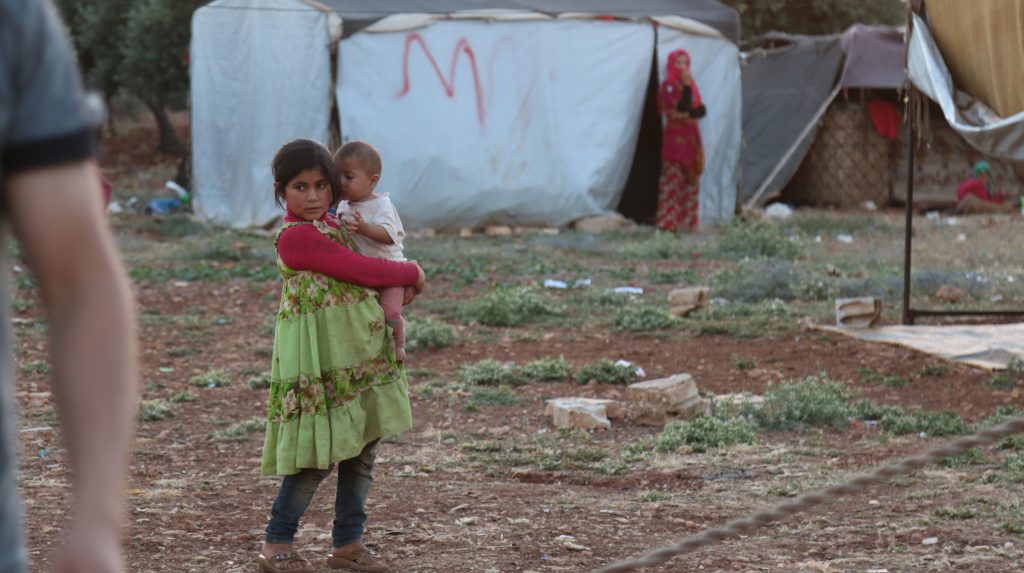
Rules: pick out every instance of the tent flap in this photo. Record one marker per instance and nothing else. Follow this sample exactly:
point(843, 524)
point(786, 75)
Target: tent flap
point(979, 125)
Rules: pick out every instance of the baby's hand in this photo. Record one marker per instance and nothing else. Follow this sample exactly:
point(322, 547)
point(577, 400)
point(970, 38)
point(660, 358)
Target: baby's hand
point(353, 222)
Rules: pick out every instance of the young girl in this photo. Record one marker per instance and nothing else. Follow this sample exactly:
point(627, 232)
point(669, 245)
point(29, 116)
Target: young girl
point(336, 385)
point(373, 222)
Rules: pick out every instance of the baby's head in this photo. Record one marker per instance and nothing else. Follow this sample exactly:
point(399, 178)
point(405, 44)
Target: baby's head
point(304, 178)
point(358, 164)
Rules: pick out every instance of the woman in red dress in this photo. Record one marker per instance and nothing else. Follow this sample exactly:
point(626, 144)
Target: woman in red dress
point(682, 154)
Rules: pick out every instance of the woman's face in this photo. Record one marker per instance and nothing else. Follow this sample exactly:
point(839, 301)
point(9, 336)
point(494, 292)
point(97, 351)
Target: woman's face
point(683, 62)
point(308, 194)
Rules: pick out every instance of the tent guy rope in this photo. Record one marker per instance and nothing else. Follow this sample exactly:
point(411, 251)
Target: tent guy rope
point(744, 525)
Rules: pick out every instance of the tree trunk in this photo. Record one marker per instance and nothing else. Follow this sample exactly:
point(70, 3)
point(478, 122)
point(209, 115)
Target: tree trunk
point(169, 142)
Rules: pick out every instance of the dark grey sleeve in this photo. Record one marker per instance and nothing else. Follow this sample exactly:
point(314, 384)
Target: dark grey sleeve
point(40, 89)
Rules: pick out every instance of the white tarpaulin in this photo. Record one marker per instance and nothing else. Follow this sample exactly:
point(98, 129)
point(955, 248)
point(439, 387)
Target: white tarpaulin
point(260, 76)
point(716, 71)
point(979, 125)
point(529, 123)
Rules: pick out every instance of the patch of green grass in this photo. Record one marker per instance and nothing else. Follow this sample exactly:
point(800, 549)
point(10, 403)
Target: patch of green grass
point(743, 320)
point(1012, 527)
point(1013, 467)
point(260, 382)
point(182, 351)
point(813, 401)
point(490, 372)
point(547, 369)
point(971, 457)
point(1002, 381)
point(226, 249)
point(510, 307)
point(672, 277)
point(870, 410)
point(918, 421)
point(428, 334)
point(35, 367)
point(754, 238)
point(872, 377)
point(965, 511)
point(175, 226)
point(155, 410)
point(653, 496)
point(215, 378)
point(934, 371)
point(705, 432)
point(606, 372)
point(1002, 414)
point(493, 397)
point(185, 396)
point(659, 245)
point(204, 270)
point(239, 431)
point(742, 363)
point(643, 318)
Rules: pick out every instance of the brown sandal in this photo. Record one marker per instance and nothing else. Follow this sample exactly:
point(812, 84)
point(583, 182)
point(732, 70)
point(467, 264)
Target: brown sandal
point(279, 563)
point(358, 560)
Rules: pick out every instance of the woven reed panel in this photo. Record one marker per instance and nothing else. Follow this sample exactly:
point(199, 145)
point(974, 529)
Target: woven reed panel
point(848, 163)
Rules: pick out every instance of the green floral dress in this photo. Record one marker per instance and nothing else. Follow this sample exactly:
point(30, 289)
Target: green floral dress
point(335, 383)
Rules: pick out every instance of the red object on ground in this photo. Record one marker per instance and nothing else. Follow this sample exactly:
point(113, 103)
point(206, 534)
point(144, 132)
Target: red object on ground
point(977, 188)
point(885, 118)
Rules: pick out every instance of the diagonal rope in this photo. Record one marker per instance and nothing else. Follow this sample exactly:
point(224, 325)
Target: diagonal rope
point(744, 525)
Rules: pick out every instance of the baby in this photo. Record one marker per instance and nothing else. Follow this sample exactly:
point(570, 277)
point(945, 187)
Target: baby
point(373, 222)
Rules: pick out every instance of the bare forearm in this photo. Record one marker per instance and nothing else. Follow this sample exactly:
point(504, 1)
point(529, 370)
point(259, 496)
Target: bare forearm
point(93, 353)
point(375, 233)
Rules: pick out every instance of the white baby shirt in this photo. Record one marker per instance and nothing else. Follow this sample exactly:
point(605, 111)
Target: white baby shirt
point(377, 210)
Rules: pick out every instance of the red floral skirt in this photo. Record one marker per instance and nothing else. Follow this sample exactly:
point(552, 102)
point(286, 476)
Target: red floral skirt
point(678, 198)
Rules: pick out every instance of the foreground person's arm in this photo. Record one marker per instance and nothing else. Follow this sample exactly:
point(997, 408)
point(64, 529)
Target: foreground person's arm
point(58, 218)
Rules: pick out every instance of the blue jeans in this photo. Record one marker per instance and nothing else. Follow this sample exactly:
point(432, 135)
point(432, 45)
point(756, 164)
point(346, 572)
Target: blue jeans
point(354, 479)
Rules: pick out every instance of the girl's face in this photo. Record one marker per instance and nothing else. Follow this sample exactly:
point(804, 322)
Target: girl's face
point(308, 194)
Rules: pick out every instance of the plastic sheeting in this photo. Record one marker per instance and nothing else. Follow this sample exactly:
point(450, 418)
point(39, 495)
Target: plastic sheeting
point(259, 78)
point(716, 71)
point(874, 57)
point(527, 123)
point(979, 125)
point(360, 13)
point(782, 91)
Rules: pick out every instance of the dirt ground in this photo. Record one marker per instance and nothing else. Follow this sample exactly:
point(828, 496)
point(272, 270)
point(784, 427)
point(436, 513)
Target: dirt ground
point(440, 501)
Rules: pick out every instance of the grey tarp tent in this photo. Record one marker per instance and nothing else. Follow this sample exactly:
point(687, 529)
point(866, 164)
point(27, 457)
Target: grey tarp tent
point(515, 112)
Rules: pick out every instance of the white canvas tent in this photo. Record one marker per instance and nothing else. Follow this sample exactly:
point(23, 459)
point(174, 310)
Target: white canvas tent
point(527, 113)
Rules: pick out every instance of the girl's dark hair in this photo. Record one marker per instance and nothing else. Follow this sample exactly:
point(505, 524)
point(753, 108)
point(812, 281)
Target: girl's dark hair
point(300, 155)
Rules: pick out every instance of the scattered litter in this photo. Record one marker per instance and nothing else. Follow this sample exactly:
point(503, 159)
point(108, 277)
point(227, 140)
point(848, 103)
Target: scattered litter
point(817, 238)
point(1008, 544)
point(877, 571)
point(580, 283)
point(845, 239)
point(961, 238)
point(719, 301)
point(569, 542)
point(929, 541)
point(163, 206)
point(181, 284)
point(114, 208)
point(952, 221)
point(166, 369)
point(873, 502)
point(180, 191)
point(458, 507)
point(552, 283)
point(639, 371)
point(779, 211)
point(996, 298)
point(465, 521)
point(1010, 279)
point(43, 452)
point(627, 290)
point(869, 206)
point(36, 429)
point(932, 215)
